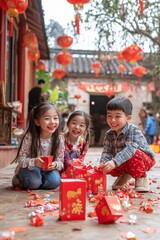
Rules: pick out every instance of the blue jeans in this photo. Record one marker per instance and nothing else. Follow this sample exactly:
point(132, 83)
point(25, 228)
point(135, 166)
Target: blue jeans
point(39, 179)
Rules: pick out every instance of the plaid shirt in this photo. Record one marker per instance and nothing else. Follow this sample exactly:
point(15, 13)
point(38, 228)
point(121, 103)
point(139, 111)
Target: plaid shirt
point(122, 146)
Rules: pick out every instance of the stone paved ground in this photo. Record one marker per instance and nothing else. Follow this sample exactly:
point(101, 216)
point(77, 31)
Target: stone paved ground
point(14, 214)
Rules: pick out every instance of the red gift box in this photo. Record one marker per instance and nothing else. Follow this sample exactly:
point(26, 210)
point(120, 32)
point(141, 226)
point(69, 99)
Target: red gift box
point(96, 181)
point(109, 209)
point(72, 204)
point(76, 172)
point(47, 161)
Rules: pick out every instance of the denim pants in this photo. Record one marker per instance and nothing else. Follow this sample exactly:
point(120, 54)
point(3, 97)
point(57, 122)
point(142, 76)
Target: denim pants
point(39, 179)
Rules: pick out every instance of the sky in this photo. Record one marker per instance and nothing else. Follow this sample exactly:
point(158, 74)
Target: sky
point(63, 12)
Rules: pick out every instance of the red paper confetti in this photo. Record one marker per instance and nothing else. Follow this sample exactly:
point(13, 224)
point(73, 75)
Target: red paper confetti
point(149, 230)
point(17, 229)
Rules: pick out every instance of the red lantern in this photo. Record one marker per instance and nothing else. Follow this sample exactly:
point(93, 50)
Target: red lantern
point(13, 8)
point(64, 41)
point(141, 5)
point(78, 4)
point(77, 96)
point(41, 66)
point(96, 66)
point(139, 71)
point(64, 58)
point(30, 40)
point(109, 93)
point(133, 53)
point(120, 56)
point(59, 73)
point(122, 68)
point(34, 56)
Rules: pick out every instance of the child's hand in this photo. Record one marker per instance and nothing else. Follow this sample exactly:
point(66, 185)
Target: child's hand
point(52, 166)
point(108, 166)
point(39, 162)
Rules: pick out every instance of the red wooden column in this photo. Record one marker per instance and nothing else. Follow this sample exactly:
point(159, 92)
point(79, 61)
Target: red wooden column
point(3, 37)
point(21, 71)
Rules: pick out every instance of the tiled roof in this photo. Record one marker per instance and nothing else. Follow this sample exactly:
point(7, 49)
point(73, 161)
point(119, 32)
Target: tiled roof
point(81, 65)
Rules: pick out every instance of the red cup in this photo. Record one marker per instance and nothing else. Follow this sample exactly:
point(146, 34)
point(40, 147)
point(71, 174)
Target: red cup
point(47, 161)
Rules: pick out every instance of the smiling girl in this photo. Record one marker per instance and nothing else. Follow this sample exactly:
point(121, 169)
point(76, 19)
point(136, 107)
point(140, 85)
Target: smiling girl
point(42, 138)
point(77, 138)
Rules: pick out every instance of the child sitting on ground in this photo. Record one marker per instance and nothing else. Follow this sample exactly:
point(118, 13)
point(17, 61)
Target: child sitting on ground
point(126, 152)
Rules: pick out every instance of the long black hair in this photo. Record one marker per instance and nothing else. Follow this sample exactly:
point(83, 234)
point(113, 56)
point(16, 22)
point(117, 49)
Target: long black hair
point(34, 130)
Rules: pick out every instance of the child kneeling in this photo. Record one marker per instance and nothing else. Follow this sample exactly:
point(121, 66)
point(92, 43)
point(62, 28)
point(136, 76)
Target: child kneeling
point(126, 153)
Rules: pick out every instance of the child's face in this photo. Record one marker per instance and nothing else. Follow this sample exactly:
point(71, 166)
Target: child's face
point(117, 119)
point(48, 123)
point(76, 127)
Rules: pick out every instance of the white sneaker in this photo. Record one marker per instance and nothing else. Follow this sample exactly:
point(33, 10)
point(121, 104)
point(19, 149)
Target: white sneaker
point(142, 184)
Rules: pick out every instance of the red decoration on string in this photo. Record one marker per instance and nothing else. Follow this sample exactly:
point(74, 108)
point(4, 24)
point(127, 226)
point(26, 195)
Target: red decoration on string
point(59, 73)
point(122, 68)
point(77, 96)
point(64, 58)
point(133, 53)
point(41, 66)
point(120, 56)
point(64, 41)
point(13, 8)
point(96, 66)
point(34, 56)
point(139, 71)
point(77, 23)
point(78, 4)
point(30, 40)
point(141, 5)
point(109, 93)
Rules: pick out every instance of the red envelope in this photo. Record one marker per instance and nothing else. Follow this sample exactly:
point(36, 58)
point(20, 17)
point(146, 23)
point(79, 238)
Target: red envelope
point(47, 161)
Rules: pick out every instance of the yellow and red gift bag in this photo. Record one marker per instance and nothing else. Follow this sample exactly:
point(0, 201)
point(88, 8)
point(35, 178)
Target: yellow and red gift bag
point(109, 209)
point(72, 204)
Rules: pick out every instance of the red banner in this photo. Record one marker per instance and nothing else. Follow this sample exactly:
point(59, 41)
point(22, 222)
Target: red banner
point(103, 88)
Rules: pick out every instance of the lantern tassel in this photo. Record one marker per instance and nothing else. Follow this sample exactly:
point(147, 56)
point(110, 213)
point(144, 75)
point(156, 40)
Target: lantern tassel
point(11, 26)
point(77, 23)
point(141, 4)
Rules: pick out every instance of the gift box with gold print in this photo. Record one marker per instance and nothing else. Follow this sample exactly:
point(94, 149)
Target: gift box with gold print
point(96, 181)
point(72, 200)
point(109, 209)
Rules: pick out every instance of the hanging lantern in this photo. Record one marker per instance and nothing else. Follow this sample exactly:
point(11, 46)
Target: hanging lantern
point(77, 96)
point(13, 8)
point(64, 41)
point(139, 71)
point(30, 40)
point(78, 5)
point(41, 66)
point(34, 56)
point(96, 66)
point(122, 68)
point(133, 53)
point(120, 56)
point(64, 58)
point(141, 6)
point(109, 93)
point(59, 73)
